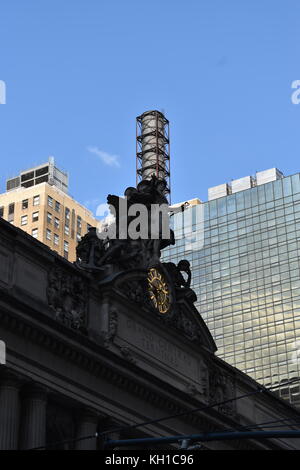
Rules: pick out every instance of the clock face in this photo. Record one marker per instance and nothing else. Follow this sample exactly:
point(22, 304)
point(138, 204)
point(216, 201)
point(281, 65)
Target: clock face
point(159, 291)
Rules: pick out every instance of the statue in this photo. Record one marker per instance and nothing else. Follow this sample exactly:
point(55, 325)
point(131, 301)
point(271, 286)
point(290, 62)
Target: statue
point(132, 265)
point(114, 252)
point(97, 253)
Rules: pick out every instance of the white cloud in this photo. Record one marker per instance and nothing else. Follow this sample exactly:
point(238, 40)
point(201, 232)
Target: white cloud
point(106, 158)
point(91, 202)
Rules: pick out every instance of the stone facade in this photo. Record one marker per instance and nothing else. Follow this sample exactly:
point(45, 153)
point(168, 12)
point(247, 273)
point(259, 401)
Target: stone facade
point(86, 355)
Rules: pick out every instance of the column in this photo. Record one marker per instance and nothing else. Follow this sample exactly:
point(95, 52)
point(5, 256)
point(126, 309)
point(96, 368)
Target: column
point(33, 424)
point(86, 426)
point(9, 411)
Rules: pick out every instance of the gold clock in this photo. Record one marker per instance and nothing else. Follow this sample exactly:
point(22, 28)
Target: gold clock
point(159, 291)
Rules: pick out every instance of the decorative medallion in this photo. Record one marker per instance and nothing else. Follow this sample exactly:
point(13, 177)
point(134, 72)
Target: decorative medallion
point(67, 295)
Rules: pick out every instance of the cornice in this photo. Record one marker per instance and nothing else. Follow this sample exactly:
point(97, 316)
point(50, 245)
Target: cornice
point(210, 420)
point(102, 367)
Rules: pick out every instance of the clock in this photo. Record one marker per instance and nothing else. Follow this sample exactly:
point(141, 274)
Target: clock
point(159, 290)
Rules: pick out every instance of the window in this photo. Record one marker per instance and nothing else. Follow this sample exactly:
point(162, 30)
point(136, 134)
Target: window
point(78, 237)
point(73, 223)
point(67, 230)
point(41, 179)
point(56, 222)
point(41, 171)
point(49, 218)
point(57, 206)
point(79, 224)
point(11, 211)
point(24, 219)
point(35, 216)
point(34, 232)
point(36, 200)
point(1, 211)
point(48, 234)
point(27, 176)
point(67, 216)
point(56, 239)
point(66, 249)
point(25, 204)
point(50, 201)
point(27, 184)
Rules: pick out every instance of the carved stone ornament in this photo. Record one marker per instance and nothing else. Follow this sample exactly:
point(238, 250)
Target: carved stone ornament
point(133, 266)
point(110, 253)
point(104, 255)
point(222, 389)
point(187, 326)
point(67, 296)
point(112, 328)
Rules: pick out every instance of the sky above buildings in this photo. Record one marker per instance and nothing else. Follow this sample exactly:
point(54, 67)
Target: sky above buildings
point(78, 72)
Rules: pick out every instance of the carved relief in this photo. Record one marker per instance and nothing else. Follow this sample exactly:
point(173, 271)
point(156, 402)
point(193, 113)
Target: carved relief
point(188, 327)
point(221, 389)
point(67, 296)
point(112, 328)
point(133, 266)
point(136, 291)
point(106, 254)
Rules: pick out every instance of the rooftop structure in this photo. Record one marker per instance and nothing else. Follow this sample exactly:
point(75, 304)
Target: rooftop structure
point(37, 202)
point(246, 182)
point(44, 173)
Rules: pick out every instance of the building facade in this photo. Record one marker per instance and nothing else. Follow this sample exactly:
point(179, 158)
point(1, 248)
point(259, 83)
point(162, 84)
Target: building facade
point(246, 274)
point(37, 202)
point(87, 356)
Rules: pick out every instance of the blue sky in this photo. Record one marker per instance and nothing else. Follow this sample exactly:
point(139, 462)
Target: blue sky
point(78, 72)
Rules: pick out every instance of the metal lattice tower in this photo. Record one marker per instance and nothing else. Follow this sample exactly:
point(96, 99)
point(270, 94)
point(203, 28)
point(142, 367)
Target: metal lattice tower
point(153, 148)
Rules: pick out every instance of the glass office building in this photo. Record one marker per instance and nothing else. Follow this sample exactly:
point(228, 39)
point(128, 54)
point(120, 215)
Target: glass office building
point(247, 276)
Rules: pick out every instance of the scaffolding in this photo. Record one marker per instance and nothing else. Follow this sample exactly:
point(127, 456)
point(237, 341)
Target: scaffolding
point(153, 148)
